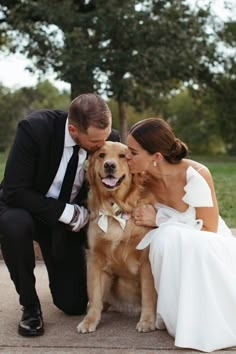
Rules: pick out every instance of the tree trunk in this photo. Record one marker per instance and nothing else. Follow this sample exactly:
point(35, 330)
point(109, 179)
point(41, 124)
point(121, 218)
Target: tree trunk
point(80, 87)
point(73, 91)
point(122, 120)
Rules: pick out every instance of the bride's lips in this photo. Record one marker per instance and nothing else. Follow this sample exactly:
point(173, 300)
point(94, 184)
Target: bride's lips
point(131, 168)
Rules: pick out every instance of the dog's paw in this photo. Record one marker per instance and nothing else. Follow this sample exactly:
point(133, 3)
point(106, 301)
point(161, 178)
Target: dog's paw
point(87, 326)
point(146, 325)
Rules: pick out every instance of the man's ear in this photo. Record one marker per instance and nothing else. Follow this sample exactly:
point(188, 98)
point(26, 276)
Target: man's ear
point(71, 129)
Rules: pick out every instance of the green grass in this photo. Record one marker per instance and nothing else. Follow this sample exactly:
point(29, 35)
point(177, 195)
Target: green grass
point(2, 164)
point(224, 175)
point(223, 170)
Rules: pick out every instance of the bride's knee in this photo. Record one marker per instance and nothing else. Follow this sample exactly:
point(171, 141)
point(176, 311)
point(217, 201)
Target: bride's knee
point(167, 237)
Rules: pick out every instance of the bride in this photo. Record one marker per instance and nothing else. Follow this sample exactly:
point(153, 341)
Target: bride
point(192, 251)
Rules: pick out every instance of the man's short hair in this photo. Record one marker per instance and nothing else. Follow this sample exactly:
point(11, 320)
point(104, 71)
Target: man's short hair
point(89, 110)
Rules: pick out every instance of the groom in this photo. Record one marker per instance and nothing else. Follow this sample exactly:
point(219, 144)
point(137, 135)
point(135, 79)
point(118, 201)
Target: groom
point(32, 206)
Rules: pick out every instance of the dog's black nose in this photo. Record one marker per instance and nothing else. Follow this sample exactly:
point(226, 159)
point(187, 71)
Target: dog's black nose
point(109, 166)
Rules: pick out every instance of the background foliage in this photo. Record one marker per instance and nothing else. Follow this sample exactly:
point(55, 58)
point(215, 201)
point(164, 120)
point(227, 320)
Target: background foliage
point(136, 52)
point(15, 105)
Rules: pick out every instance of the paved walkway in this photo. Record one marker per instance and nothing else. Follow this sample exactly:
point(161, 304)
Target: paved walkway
point(116, 333)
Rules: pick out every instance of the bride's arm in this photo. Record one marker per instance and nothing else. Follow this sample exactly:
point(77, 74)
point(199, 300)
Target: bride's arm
point(145, 215)
point(209, 215)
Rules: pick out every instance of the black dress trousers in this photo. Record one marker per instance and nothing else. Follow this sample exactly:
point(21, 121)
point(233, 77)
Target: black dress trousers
point(67, 277)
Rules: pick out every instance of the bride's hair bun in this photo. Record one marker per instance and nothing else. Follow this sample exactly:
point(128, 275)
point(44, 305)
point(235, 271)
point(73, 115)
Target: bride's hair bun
point(179, 150)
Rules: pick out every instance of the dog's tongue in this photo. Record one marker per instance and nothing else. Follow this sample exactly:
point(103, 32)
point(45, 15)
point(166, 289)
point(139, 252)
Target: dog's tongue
point(110, 181)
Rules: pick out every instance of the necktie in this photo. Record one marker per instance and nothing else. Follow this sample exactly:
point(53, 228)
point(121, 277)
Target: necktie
point(69, 177)
point(59, 234)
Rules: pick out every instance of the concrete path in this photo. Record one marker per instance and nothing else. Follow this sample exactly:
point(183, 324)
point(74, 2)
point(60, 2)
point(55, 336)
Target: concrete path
point(116, 333)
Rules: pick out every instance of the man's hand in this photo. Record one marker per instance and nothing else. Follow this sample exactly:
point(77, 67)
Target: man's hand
point(79, 219)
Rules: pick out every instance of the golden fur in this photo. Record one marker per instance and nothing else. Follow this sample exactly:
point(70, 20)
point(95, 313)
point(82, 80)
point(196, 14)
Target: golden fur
point(118, 274)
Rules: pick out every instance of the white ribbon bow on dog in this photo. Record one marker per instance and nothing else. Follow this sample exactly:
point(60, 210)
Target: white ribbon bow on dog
point(116, 214)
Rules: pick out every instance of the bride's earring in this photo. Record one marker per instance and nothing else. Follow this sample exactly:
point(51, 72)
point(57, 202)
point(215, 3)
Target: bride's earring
point(154, 163)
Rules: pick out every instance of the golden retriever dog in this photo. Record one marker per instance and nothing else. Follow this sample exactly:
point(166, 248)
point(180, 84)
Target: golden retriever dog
point(118, 274)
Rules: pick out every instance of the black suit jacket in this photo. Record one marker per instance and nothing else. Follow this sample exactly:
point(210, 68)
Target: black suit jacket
point(33, 163)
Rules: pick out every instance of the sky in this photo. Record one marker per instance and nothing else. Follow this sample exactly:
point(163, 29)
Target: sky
point(14, 75)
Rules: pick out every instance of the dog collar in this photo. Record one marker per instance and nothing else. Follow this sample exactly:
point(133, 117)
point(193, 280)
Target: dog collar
point(117, 214)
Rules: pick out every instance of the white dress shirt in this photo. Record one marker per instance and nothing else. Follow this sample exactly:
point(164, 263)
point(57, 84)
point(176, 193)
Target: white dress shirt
point(55, 187)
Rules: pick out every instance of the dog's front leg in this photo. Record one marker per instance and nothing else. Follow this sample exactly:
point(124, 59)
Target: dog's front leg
point(147, 320)
point(97, 280)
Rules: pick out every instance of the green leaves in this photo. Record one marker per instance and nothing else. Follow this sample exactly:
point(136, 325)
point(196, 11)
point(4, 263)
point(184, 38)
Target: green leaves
point(133, 51)
point(14, 106)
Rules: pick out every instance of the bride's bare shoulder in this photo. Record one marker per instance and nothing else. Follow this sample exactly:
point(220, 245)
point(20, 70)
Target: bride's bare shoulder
point(201, 169)
point(195, 164)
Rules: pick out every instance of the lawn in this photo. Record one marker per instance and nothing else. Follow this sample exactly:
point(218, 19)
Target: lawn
point(2, 164)
point(224, 176)
point(223, 170)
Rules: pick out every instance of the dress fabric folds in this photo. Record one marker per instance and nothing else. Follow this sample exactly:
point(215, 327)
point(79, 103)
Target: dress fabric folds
point(194, 273)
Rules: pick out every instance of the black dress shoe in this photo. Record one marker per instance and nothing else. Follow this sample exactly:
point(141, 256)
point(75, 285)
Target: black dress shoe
point(31, 323)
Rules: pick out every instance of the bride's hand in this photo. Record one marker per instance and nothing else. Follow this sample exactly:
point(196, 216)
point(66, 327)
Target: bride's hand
point(145, 215)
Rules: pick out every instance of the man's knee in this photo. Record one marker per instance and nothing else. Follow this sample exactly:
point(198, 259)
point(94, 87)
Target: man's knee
point(16, 223)
point(70, 305)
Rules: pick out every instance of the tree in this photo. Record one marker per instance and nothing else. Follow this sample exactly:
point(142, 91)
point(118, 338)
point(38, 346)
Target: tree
point(45, 95)
point(6, 117)
point(193, 118)
point(131, 50)
point(224, 91)
point(15, 105)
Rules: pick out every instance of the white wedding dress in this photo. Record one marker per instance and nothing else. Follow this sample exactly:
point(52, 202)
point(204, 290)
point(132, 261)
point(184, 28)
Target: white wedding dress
point(194, 273)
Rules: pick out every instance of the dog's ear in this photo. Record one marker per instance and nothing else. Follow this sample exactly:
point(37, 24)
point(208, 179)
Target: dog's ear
point(90, 176)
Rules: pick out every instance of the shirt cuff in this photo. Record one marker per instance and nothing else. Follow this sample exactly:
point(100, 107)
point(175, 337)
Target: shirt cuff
point(67, 214)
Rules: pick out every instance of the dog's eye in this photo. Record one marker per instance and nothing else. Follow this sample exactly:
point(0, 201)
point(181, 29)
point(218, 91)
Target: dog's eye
point(122, 156)
point(102, 155)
